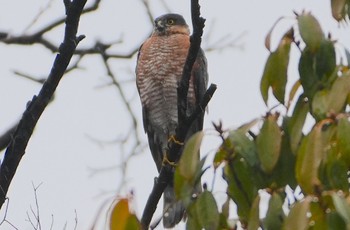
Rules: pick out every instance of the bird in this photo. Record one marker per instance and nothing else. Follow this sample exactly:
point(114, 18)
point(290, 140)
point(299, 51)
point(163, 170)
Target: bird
point(160, 62)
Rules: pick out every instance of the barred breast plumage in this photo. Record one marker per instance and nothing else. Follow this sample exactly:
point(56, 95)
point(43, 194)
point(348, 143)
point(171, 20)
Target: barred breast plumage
point(159, 68)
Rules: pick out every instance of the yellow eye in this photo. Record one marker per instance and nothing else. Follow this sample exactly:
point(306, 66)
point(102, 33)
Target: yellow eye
point(170, 21)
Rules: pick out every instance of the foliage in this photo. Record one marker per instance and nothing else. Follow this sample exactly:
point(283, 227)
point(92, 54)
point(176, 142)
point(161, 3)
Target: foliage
point(282, 155)
point(302, 164)
point(122, 217)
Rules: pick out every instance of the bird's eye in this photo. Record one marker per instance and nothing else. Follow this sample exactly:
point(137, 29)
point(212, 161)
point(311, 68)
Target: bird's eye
point(171, 22)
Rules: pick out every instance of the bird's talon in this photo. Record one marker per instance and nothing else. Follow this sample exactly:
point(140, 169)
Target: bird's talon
point(166, 161)
point(173, 139)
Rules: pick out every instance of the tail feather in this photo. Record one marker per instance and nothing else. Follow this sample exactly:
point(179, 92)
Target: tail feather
point(173, 210)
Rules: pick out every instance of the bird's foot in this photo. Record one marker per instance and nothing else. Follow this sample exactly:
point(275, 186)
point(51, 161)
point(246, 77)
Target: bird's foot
point(173, 139)
point(166, 161)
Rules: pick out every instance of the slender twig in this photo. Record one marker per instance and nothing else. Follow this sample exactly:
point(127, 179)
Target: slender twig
point(37, 17)
point(148, 10)
point(35, 108)
point(75, 220)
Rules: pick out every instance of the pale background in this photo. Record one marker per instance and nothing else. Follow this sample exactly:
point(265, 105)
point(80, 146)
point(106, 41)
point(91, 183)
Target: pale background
point(78, 131)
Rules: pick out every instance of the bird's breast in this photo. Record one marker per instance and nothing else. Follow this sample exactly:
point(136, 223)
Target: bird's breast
point(158, 71)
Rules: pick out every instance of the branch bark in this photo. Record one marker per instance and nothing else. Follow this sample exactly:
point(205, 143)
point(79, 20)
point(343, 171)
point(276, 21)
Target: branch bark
point(35, 108)
point(184, 122)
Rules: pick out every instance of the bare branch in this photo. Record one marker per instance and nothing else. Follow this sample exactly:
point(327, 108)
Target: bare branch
point(5, 138)
point(28, 77)
point(75, 220)
point(148, 10)
point(40, 13)
point(4, 219)
point(35, 108)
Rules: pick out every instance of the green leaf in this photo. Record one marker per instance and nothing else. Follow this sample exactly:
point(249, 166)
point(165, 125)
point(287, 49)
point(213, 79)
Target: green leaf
point(189, 167)
point(325, 62)
point(343, 134)
point(331, 100)
point(338, 9)
point(320, 104)
point(342, 206)
point(132, 223)
point(338, 175)
point(221, 155)
point(308, 78)
point(318, 215)
point(247, 126)
point(244, 146)
point(254, 221)
point(192, 220)
point(310, 30)
point(297, 217)
point(296, 123)
point(269, 143)
point(292, 93)
point(339, 93)
point(190, 157)
point(275, 215)
point(207, 211)
point(225, 208)
point(268, 36)
point(275, 72)
point(309, 157)
point(242, 188)
point(282, 175)
point(317, 69)
point(334, 170)
point(335, 221)
point(189, 170)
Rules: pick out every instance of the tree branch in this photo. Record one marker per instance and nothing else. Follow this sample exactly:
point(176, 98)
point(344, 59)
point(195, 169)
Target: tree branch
point(35, 108)
point(184, 122)
point(5, 138)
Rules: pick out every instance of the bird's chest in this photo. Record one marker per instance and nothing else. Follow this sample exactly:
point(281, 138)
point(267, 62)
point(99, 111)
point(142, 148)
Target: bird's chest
point(164, 58)
point(162, 63)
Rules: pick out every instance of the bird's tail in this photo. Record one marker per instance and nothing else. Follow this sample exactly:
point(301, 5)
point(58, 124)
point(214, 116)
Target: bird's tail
point(173, 209)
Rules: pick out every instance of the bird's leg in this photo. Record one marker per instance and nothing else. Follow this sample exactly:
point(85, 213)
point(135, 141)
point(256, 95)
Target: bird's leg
point(173, 139)
point(166, 161)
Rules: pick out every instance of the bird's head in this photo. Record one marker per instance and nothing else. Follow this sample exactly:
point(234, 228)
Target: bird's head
point(170, 24)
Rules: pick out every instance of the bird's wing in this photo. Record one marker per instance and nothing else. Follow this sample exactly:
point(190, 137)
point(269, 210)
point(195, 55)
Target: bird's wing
point(200, 83)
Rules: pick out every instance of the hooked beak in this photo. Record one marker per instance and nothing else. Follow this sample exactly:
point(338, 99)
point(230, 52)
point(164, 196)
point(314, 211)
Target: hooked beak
point(159, 25)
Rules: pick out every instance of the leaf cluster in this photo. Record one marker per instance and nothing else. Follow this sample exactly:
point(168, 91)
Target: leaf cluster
point(282, 159)
point(302, 164)
point(305, 172)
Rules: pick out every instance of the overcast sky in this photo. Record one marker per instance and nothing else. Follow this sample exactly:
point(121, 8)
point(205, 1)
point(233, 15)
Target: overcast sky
point(77, 132)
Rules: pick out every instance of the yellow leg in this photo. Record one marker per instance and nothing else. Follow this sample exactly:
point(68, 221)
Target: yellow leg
point(166, 161)
point(173, 139)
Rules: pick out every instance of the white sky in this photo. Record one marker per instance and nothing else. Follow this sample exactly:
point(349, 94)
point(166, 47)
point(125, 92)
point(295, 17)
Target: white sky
point(61, 151)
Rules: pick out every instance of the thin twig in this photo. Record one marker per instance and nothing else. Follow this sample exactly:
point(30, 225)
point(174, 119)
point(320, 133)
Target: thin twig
point(40, 13)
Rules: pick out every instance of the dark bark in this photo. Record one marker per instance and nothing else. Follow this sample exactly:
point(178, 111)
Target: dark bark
point(35, 108)
point(5, 138)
